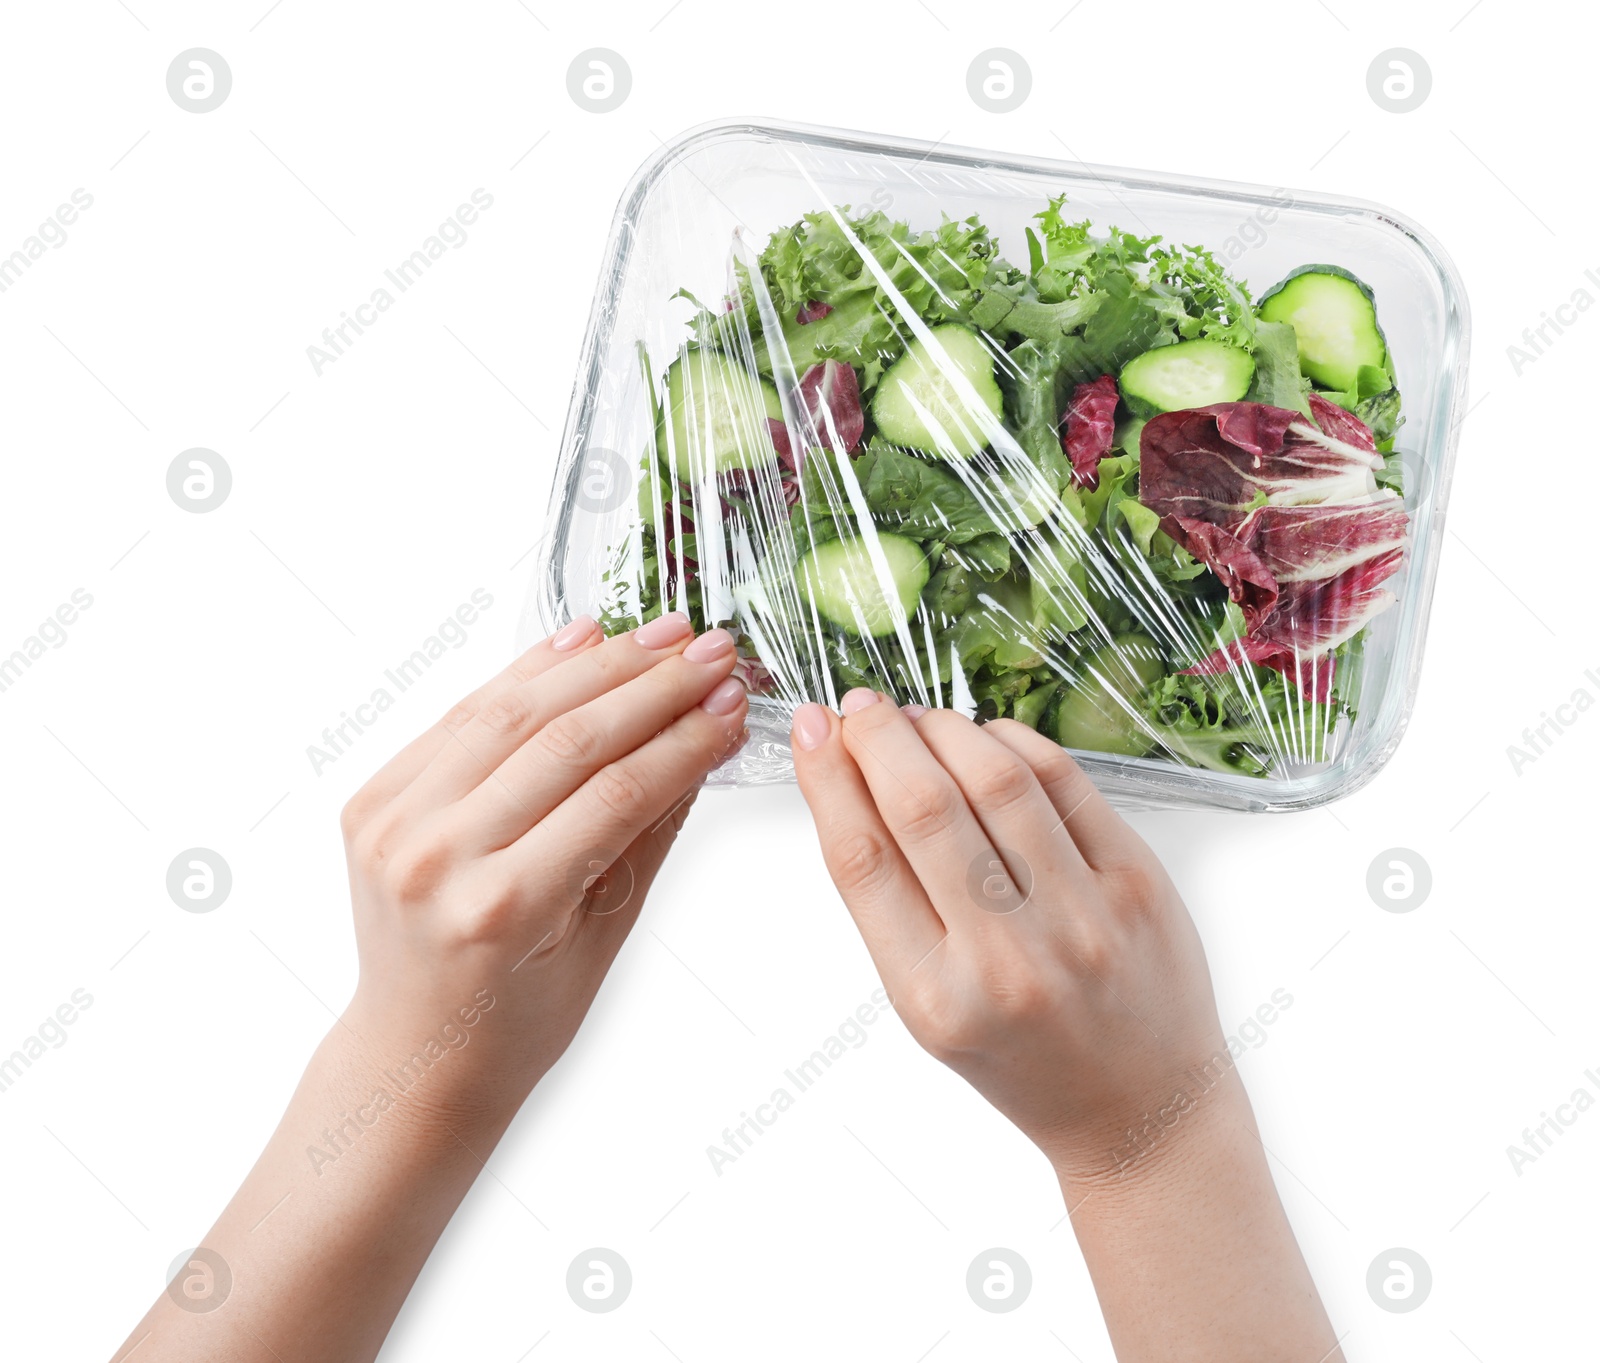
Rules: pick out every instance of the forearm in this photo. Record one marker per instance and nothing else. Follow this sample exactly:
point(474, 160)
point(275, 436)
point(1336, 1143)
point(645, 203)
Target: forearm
point(327, 1233)
point(1191, 1255)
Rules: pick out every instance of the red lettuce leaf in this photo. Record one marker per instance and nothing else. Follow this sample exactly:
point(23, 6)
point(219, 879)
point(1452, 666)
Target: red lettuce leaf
point(1249, 580)
point(1342, 425)
point(1289, 518)
point(1310, 543)
point(831, 398)
point(1313, 678)
point(1088, 427)
point(1312, 617)
point(1309, 619)
point(1217, 463)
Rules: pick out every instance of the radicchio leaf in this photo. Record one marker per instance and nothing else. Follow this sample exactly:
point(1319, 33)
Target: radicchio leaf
point(1311, 543)
point(1288, 516)
point(812, 312)
point(1313, 678)
point(758, 681)
point(1309, 619)
point(1342, 425)
point(1088, 427)
point(831, 398)
point(1249, 581)
point(780, 442)
point(1217, 463)
point(1312, 617)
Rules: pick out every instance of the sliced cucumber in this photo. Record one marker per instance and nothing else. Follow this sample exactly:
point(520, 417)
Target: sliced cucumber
point(1173, 378)
point(1335, 323)
point(715, 417)
point(1100, 712)
point(923, 405)
point(844, 580)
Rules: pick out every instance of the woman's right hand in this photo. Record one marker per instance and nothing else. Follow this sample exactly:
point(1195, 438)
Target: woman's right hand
point(1080, 1007)
point(1030, 940)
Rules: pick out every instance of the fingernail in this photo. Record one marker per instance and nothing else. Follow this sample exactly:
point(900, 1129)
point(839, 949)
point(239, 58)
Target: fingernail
point(570, 636)
point(664, 630)
point(710, 646)
point(725, 697)
point(858, 699)
point(811, 726)
point(914, 711)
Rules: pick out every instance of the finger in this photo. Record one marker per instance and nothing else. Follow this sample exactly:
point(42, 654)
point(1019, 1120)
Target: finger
point(572, 746)
point(604, 915)
point(1102, 835)
point(626, 797)
point(1011, 806)
point(892, 911)
point(401, 769)
point(608, 914)
point(510, 719)
point(922, 807)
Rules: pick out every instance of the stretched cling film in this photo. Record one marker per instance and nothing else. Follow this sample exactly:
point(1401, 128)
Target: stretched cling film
point(1099, 494)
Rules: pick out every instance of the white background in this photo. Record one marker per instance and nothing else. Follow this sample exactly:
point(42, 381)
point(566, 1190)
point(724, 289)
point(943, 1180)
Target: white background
point(372, 500)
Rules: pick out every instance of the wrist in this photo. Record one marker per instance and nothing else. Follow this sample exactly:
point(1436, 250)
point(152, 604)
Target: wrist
point(1203, 1120)
point(433, 1071)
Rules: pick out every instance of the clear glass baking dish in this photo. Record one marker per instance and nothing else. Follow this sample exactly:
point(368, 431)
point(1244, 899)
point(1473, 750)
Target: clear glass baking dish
point(675, 228)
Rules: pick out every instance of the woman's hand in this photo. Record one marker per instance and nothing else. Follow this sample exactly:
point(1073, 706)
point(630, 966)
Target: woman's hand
point(496, 866)
point(1030, 940)
point(1028, 937)
point(498, 862)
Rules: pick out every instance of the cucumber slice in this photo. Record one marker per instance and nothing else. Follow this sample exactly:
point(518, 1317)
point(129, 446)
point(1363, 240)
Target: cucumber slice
point(1094, 714)
point(841, 579)
point(1334, 320)
point(920, 404)
point(1173, 378)
point(715, 417)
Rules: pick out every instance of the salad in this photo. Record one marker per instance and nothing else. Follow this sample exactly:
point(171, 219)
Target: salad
point(1110, 495)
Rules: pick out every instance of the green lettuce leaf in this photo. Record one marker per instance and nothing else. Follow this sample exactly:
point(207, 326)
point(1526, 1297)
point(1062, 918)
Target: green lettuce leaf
point(1278, 381)
point(920, 497)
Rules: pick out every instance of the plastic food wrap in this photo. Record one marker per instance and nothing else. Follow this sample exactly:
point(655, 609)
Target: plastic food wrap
point(1155, 467)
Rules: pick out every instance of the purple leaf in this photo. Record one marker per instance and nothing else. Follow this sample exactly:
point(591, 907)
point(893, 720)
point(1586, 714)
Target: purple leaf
point(1088, 427)
point(1342, 425)
point(1310, 543)
point(1217, 463)
point(1290, 519)
point(1249, 581)
point(831, 398)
